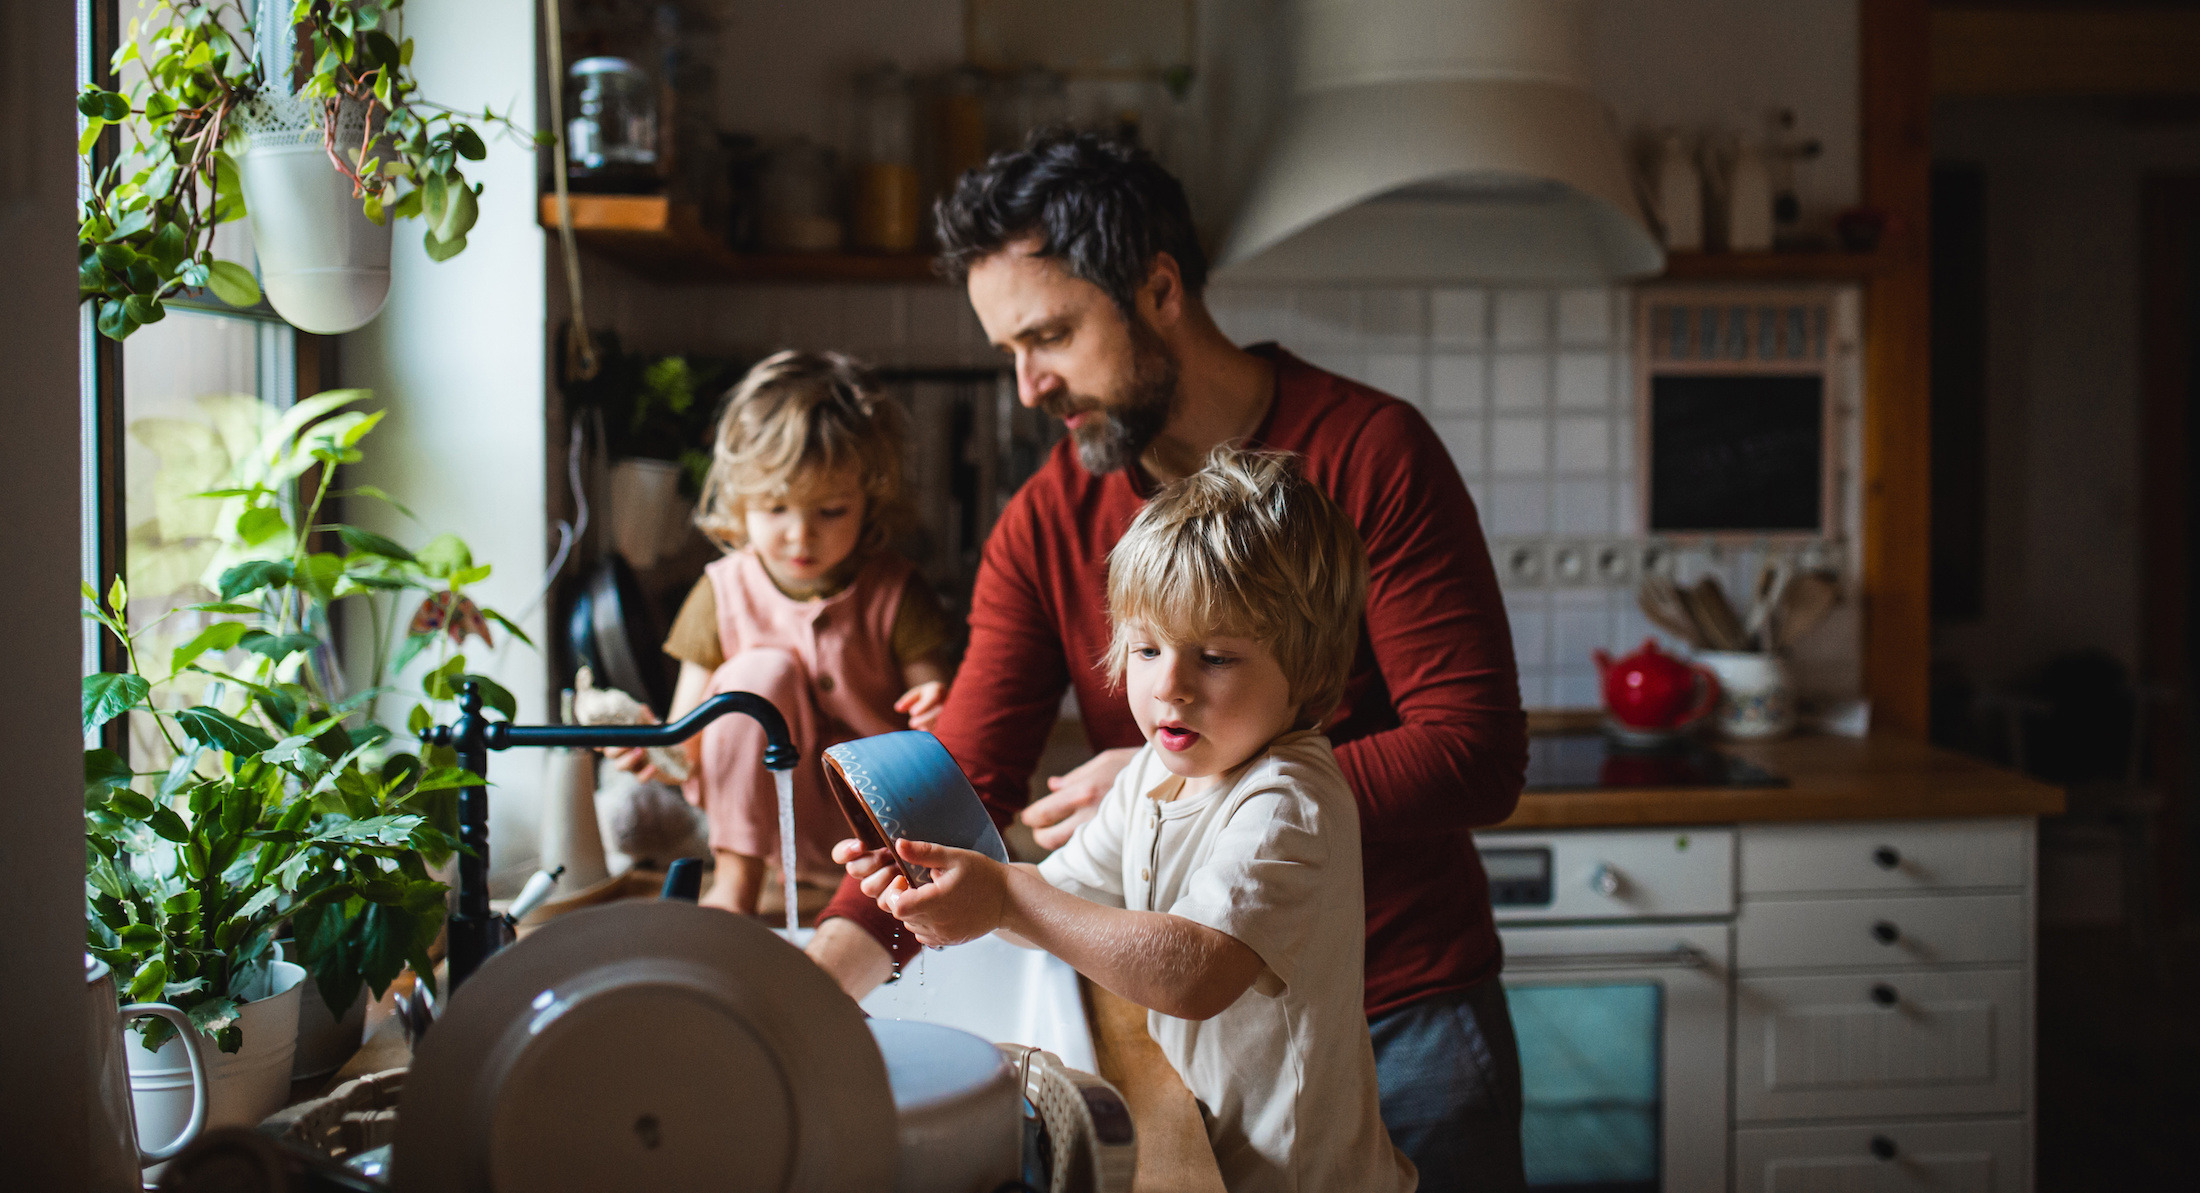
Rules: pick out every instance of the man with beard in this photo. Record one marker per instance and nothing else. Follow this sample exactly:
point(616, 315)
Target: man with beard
point(1080, 259)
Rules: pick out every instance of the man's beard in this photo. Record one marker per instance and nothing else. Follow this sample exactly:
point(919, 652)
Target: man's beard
point(1113, 434)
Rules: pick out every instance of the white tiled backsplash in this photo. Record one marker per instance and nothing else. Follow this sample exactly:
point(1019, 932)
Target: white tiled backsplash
point(1530, 389)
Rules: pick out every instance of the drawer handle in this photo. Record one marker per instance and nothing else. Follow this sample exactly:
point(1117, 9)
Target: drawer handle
point(1887, 857)
point(1885, 932)
point(1884, 1147)
point(1885, 995)
point(1680, 956)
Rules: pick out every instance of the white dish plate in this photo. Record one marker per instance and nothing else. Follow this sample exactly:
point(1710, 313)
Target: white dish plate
point(647, 1045)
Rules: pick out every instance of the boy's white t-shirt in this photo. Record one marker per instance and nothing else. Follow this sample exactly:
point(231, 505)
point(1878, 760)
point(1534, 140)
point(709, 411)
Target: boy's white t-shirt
point(1272, 858)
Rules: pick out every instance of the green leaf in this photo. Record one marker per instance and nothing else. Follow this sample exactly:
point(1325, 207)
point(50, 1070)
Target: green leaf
point(132, 804)
point(114, 321)
point(233, 284)
point(169, 825)
point(150, 979)
point(468, 143)
point(90, 102)
point(144, 309)
point(493, 694)
point(105, 768)
point(443, 250)
point(221, 607)
point(317, 575)
point(373, 544)
point(508, 624)
point(446, 778)
point(472, 575)
point(219, 636)
point(444, 556)
point(139, 936)
point(253, 575)
point(277, 647)
point(440, 683)
point(168, 247)
point(118, 596)
point(218, 730)
point(112, 107)
point(260, 523)
point(107, 695)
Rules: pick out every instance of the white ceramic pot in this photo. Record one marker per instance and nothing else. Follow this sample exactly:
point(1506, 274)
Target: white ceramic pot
point(244, 1086)
point(1756, 694)
point(326, 1040)
point(324, 266)
point(649, 518)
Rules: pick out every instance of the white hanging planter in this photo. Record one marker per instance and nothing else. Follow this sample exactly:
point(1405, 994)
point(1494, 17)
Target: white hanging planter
point(324, 266)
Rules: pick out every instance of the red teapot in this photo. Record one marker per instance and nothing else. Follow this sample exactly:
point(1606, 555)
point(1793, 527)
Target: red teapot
point(1652, 694)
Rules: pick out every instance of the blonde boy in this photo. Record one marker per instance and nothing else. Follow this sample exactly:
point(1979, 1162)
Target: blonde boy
point(1219, 883)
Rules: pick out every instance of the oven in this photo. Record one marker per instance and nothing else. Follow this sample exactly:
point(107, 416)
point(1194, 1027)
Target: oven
point(1617, 971)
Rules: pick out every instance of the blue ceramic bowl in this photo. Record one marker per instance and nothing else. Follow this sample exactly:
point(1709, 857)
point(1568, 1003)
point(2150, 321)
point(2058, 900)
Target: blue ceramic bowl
point(905, 786)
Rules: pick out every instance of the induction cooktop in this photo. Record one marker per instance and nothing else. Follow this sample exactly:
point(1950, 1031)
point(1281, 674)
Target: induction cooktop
point(1591, 760)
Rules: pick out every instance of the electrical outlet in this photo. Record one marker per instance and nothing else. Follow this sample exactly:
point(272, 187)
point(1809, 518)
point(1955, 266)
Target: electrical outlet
point(1655, 558)
point(1521, 564)
point(1614, 563)
point(1570, 564)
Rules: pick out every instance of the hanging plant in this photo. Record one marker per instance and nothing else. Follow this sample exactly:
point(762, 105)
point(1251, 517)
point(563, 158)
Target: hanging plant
point(148, 217)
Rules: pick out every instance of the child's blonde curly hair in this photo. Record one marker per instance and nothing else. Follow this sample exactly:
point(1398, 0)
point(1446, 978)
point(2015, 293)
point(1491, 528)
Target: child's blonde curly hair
point(794, 417)
point(1246, 548)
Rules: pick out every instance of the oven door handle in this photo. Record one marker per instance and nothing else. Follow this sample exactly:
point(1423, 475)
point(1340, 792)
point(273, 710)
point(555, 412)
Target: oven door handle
point(1686, 956)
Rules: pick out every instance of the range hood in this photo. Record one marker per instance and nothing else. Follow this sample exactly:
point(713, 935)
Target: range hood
point(1441, 140)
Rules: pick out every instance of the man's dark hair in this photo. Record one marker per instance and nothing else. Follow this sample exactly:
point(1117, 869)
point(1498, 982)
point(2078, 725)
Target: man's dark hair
point(1100, 205)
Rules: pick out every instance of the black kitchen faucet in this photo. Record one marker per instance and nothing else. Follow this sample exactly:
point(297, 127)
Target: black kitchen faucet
point(474, 932)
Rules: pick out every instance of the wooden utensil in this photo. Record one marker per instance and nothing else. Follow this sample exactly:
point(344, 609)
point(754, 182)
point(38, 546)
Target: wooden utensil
point(1772, 582)
point(1810, 596)
point(1721, 629)
point(1662, 603)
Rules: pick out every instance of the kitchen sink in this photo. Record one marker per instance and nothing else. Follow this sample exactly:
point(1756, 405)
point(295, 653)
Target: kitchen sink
point(993, 989)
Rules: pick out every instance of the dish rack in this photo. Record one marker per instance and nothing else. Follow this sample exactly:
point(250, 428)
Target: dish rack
point(1081, 1140)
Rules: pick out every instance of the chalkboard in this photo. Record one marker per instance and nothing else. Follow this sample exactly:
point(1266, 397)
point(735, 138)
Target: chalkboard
point(1737, 453)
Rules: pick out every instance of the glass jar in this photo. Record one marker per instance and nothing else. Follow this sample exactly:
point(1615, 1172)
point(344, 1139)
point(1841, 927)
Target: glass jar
point(887, 199)
point(795, 191)
point(611, 129)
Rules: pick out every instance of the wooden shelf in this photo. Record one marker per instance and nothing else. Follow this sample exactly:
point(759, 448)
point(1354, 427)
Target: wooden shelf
point(1776, 266)
point(667, 242)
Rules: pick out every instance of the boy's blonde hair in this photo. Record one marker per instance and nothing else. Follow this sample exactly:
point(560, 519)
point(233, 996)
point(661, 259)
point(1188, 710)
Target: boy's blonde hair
point(796, 416)
point(1246, 548)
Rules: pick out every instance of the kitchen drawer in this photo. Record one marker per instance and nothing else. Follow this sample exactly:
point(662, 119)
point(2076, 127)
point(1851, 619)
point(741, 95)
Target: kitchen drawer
point(1885, 855)
point(1609, 874)
point(1871, 1044)
point(1914, 930)
point(1893, 1157)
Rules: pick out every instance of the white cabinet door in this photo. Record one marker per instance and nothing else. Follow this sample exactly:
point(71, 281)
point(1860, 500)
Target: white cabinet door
point(1874, 1044)
point(1993, 1156)
point(1880, 932)
point(1885, 856)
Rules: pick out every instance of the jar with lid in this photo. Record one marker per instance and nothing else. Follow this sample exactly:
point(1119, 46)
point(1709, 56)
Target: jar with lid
point(887, 199)
point(611, 136)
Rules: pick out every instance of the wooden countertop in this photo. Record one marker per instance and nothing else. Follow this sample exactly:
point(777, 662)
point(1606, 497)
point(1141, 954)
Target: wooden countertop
point(1829, 778)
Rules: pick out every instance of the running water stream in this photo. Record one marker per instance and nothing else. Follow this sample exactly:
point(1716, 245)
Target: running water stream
point(785, 781)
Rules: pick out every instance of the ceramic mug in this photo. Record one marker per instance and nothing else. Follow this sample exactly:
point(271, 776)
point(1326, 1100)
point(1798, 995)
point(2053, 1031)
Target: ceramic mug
point(905, 786)
point(1756, 695)
point(117, 1156)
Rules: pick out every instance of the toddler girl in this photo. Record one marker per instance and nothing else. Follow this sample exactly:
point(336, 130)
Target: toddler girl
point(809, 608)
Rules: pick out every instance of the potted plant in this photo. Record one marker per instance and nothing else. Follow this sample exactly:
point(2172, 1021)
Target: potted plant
point(303, 115)
point(276, 796)
point(654, 416)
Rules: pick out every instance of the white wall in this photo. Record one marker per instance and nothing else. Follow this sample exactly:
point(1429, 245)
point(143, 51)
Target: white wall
point(43, 1091)
point(2062, 420)
point(1691, 64)
point(457, 357)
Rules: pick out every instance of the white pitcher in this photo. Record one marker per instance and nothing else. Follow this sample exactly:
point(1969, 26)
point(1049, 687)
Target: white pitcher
point(117, 1156)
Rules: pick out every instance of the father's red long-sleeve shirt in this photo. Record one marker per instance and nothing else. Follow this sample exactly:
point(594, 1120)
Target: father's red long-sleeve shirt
point(1430, 735)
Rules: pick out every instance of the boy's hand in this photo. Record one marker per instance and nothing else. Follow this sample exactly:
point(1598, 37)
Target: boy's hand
point(923, 704)
point(967, 897)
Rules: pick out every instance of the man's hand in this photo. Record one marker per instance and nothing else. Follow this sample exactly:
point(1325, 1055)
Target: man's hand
point(966, 899)
point(1074, 797)
point(843, 949)
point(923, 703)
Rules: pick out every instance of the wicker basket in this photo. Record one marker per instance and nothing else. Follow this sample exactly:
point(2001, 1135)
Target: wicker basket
point(357, 1116)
